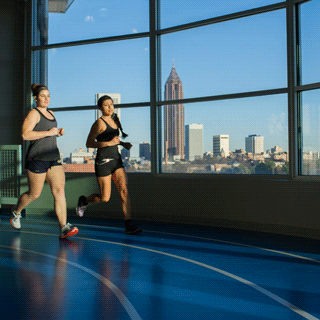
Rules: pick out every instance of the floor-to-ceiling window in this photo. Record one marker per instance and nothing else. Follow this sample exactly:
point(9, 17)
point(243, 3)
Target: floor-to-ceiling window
point(309, 87)
point(95, 48)
point(200, 89)
point(233, 68)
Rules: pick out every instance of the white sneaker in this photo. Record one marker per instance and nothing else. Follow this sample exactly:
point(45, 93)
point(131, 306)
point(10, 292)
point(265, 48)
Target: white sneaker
point(15, 218)
point(81, 207)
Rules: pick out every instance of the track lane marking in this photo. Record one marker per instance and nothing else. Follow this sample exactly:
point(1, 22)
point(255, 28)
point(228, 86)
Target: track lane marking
point(269, 294)
point(132, 312)
point(207, 239)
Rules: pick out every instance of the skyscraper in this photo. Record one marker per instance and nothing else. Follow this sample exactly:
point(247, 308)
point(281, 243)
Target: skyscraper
point(194, 141)
point(173, 118)
point(125, 154)
point(221, 145)
point(254, 144)
point(145, 150)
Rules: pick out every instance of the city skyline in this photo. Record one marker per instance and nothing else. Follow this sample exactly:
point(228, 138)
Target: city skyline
point(245, 54)
point(173, 90)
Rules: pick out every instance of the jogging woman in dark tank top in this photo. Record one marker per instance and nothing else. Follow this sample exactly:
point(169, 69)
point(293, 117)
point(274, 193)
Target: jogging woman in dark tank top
point(104, 135)
point(43, 161)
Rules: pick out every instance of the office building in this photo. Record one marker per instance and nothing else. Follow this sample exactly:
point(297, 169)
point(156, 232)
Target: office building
point(145, 151)
point(221, 145)
point(173, 118)
point(194, 141)
point(80, 156)
point(125, 154)
point(254, 144)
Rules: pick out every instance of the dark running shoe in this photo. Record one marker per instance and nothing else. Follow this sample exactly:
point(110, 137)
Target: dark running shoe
point(68, 231)
point(82, 204)
point(133, 229)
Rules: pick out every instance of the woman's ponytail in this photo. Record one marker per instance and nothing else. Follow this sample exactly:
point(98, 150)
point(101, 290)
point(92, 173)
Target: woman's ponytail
point(118, 123)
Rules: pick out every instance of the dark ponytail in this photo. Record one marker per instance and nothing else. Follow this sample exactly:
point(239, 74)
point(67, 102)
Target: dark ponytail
point(118, 123)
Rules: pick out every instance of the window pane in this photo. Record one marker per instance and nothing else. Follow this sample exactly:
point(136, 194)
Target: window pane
point(76, 74)
point(136, 123)
point(236, 56)
point(88, 19)
point(310, 41)
point(77, 125)
point(311, 132)
point(185, 11)
point(242, 136)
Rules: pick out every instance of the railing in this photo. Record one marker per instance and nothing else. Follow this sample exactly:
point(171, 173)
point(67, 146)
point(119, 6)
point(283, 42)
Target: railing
point(10, 172)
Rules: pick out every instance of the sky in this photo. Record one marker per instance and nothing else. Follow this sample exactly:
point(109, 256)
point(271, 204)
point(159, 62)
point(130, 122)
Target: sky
point(241, 55)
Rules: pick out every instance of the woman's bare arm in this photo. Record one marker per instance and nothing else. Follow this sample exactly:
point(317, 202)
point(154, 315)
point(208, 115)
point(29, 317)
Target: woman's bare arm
point(97, 128)
point(28, 125)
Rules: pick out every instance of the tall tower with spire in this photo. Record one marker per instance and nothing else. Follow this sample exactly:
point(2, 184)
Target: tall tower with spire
point(173, 118)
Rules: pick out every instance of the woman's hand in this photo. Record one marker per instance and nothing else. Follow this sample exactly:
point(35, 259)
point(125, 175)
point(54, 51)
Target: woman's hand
point(126, 145)
point(115, 141)
point(53, 132)
point(61, 132)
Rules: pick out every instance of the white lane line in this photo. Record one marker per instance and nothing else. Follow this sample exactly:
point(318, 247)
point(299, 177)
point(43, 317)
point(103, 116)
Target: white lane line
point(207, 239)
point(241, 245)
point(219, 241)
point(230, 275)
point(132, 312)
point(269, 294)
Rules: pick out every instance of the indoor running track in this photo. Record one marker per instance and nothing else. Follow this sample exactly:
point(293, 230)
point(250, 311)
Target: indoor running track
point(168, 272)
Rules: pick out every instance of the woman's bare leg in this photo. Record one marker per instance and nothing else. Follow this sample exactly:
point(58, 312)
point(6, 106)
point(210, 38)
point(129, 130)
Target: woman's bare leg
point(105, 191)
point(56, 179)
point(120, 179)
point(36, 182)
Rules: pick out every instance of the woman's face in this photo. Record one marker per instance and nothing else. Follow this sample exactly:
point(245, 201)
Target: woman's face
point(107, 107)
point(43, 99)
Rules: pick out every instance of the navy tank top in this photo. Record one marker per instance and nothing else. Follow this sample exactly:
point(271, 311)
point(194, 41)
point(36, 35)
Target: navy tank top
point(44, 149)
point(110, 151)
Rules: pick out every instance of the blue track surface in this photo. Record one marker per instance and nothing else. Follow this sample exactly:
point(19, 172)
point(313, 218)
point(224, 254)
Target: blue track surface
point(167, 272)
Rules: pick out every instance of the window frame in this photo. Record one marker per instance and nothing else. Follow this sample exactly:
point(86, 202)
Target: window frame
point(294, 88)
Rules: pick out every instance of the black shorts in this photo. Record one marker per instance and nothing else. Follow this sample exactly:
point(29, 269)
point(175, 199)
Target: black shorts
point(39, 166)
point(107, 167)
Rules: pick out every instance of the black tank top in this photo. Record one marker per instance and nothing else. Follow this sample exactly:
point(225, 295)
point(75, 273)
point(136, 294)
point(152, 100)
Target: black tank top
point(44, 149)
point(111, 151)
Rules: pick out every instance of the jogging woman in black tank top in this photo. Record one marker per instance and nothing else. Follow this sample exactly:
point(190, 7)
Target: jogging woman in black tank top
point(43, 161)
point(104, 135)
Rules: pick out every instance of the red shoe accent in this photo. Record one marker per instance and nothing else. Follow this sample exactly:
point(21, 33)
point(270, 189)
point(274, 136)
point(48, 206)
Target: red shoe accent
point(71, 233)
